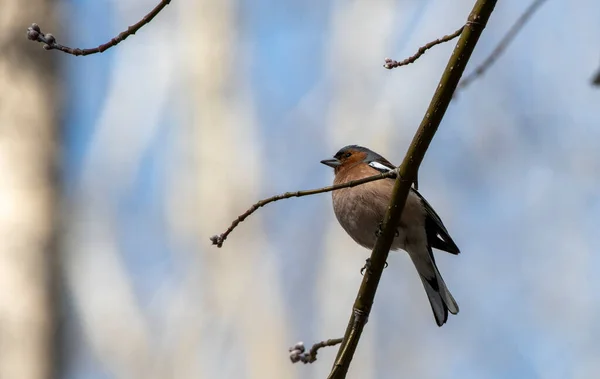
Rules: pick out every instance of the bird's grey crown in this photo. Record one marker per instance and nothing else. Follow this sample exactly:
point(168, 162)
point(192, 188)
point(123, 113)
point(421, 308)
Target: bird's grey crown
point(371, 155)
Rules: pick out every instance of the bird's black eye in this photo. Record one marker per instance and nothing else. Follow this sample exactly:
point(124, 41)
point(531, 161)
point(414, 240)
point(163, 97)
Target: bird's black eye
point(347, 155)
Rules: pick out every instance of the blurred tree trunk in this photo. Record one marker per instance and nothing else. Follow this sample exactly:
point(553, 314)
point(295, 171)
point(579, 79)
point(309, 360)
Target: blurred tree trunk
point(28, 196)
point(242, 309)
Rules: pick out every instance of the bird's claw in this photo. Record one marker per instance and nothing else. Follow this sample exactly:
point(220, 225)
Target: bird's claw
point(380, 230)
point(367, 266)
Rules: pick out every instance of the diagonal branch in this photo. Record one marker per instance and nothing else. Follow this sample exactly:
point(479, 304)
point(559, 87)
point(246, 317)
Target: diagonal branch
point(219, 239)
point(408, 171)
point(34, 33)
point(501, 47)
point(390, 63)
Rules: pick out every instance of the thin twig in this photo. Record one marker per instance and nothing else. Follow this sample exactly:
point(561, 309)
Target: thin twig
point(390, 63)
point(501, 47)
point(219, 239)
point(34, 33)
point(363, 303)
point(298, 352)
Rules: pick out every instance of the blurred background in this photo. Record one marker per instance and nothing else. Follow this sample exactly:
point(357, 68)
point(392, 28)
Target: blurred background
point(116, 168)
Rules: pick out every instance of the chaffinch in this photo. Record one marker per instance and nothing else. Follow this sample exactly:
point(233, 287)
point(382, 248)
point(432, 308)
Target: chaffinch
point(360, 211)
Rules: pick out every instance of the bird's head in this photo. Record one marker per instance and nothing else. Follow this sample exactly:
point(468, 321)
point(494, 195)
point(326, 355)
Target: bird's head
point(352, 155)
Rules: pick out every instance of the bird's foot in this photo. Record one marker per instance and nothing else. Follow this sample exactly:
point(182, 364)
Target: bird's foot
point(367, 266)
point(380, 230)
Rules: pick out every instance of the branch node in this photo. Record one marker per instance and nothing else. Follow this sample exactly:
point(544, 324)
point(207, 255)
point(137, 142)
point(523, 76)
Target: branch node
point(360, 316)
point(473, 22)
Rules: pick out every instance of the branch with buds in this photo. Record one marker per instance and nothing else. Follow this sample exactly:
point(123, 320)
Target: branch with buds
point(34, 33)
point(219, 239)
point(298, 352)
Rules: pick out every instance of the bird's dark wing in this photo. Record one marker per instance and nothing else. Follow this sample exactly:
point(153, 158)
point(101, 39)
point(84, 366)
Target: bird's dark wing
point(437, 235)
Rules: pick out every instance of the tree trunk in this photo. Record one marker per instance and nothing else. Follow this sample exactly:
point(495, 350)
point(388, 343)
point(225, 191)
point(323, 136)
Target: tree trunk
point(28, 196)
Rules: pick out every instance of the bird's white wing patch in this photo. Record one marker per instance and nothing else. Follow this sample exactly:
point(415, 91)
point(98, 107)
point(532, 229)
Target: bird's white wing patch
point(380, 167)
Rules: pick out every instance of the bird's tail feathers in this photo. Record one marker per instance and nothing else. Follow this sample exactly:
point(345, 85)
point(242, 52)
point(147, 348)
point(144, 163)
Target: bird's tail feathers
point(440, 298)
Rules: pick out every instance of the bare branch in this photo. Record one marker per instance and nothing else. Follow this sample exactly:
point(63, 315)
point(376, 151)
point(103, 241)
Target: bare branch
point(501, 47)
point(298, 352)
point(408, 171)
point(34, 33)
point(390, 63)
point(219, 239)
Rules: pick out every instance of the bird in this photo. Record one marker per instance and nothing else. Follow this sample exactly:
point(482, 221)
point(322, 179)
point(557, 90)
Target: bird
point(360, 211)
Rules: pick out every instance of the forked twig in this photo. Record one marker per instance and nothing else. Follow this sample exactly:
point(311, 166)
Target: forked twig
point(502, 45)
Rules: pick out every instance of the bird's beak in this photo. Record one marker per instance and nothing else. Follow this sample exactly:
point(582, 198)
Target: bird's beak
point(333, 163)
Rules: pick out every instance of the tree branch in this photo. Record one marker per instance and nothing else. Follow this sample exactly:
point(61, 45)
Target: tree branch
point(298, 352)
point(219, 239)
point(501, 47)
point(390, 63)
point(34, 33)
point(408, 170)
